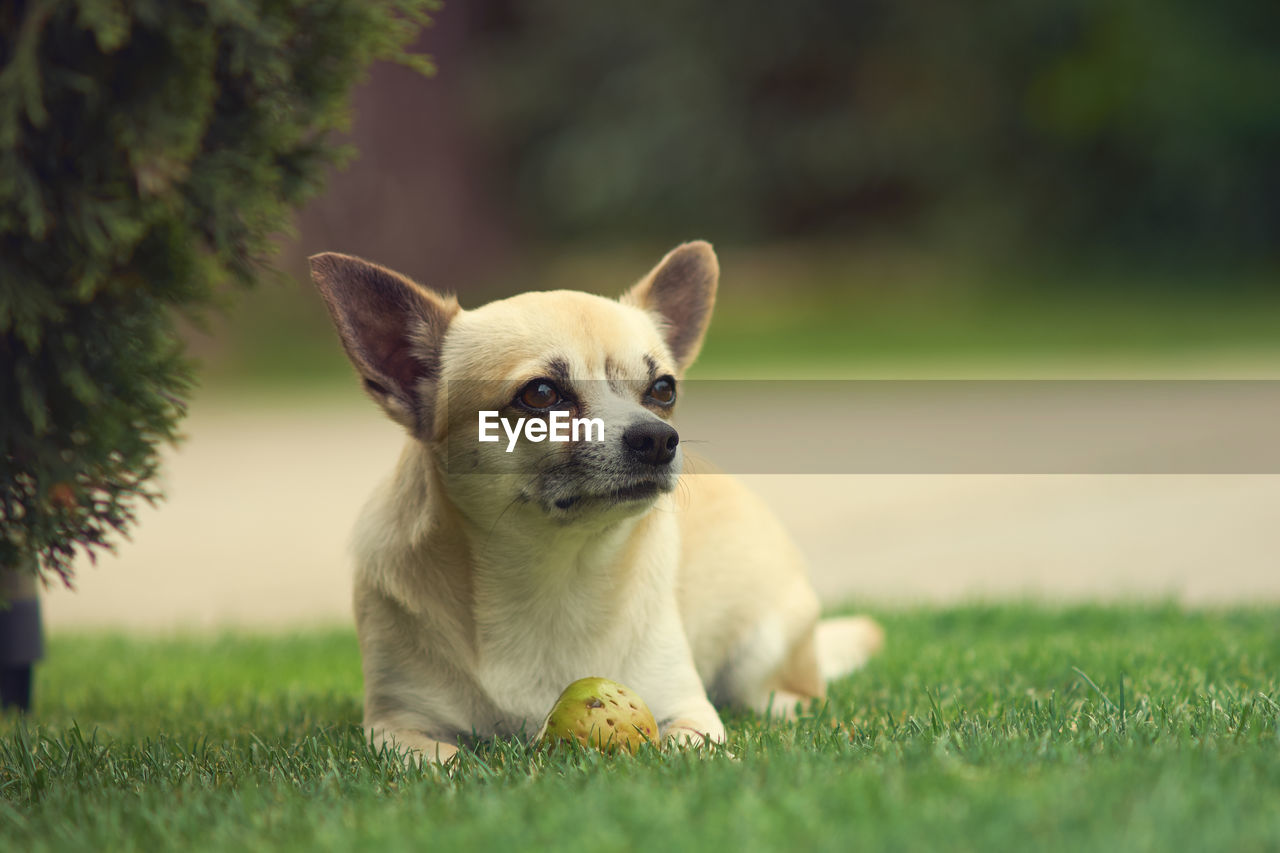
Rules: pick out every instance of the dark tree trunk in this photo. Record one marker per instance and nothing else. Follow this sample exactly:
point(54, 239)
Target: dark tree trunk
point(21, 637)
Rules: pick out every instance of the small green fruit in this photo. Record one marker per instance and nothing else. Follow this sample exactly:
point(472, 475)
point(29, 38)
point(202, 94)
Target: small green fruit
point(602, 714)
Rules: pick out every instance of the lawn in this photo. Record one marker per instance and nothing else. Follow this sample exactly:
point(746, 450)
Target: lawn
point(980, 728)
point(820, 310)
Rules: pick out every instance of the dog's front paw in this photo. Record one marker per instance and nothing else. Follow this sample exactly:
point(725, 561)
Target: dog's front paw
point(415, 748)
point(682, 732)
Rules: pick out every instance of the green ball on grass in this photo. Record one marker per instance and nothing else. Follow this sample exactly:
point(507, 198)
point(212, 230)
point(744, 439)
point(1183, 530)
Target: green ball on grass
point(601, 714)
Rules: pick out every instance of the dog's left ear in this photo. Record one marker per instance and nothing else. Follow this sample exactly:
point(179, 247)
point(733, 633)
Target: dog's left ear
point(681, 291)
point(392, 330)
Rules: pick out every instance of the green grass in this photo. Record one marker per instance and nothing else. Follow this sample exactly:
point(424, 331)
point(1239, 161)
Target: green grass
point(1009, 336)
point(794, 310)
point(978, 729)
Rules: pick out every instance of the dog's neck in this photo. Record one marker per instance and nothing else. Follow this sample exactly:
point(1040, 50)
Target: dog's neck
point(541, 594)
point(514, 553)
point(517, 569)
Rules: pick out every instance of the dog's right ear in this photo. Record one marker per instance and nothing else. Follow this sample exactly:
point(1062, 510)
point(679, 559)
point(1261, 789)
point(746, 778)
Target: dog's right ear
point(392, 330)
point(680, 291)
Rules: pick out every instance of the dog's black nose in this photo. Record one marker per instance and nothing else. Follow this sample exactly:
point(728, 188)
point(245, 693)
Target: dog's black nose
point(652, 441)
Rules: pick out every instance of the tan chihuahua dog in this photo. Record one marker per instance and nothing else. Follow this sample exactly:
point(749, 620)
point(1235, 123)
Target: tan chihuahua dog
point(492, 573)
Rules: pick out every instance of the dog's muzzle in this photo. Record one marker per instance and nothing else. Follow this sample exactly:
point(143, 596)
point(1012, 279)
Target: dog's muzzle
point(651, 442)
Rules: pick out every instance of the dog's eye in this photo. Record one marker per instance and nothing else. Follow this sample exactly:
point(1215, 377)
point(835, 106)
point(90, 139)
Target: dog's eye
point(663, 391)
point(540, 394)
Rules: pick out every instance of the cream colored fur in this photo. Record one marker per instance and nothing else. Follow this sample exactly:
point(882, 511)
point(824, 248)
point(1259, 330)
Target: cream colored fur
point(477, 600)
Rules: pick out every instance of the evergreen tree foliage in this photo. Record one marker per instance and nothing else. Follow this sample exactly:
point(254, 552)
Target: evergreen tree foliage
point(148, 151)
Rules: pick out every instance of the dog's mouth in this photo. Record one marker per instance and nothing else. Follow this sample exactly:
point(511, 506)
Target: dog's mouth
point(636, 492)
point(626, 494)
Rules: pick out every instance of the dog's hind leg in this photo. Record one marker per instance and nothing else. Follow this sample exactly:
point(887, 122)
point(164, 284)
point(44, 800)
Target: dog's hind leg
point(832, 649)
point(795, 685)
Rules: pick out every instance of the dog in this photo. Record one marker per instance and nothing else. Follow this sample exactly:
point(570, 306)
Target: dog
point(491, 574)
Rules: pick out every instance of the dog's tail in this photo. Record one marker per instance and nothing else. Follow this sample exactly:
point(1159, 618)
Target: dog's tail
point(846, 644)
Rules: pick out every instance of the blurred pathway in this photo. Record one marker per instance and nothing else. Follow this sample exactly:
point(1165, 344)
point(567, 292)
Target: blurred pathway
point(262, 500)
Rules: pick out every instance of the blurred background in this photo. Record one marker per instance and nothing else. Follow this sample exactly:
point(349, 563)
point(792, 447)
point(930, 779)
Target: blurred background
point(886, 183)
point(1070, 188)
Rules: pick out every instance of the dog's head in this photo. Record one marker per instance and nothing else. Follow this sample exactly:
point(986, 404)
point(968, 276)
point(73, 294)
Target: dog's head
point(557, 404)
